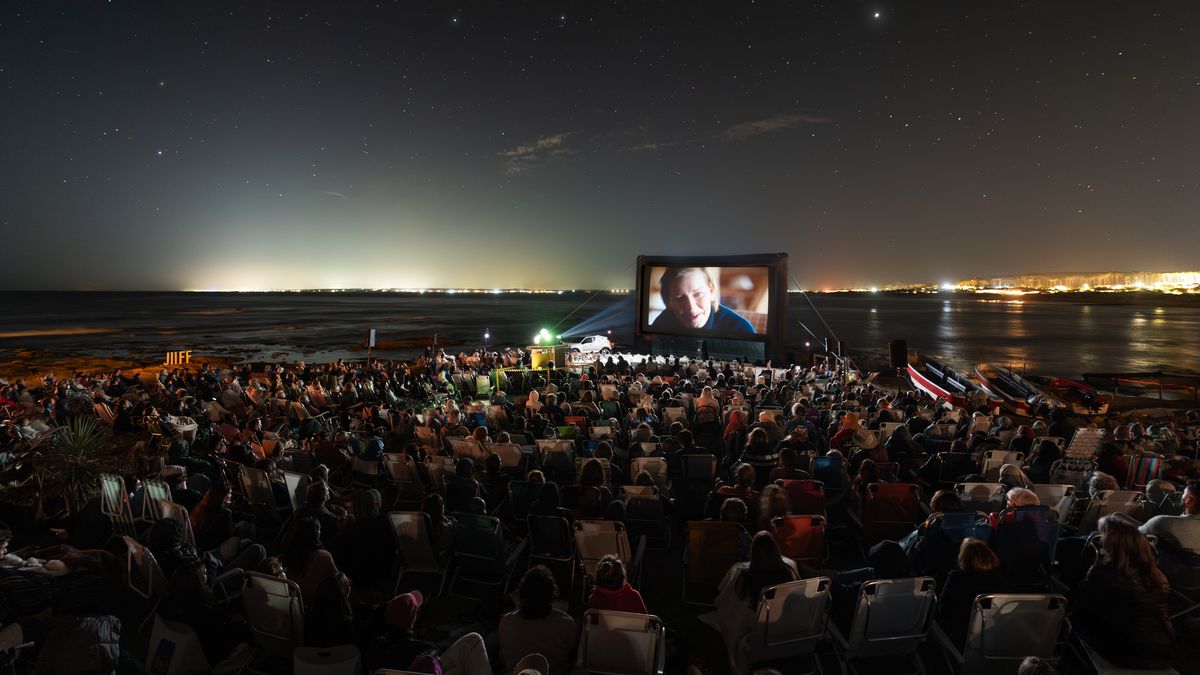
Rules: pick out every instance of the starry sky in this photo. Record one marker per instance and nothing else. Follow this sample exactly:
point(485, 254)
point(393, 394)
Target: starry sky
point(195, 145)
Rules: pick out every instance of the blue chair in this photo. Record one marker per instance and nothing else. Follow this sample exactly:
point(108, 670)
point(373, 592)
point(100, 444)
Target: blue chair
point(941, 536)
point(1025, 539)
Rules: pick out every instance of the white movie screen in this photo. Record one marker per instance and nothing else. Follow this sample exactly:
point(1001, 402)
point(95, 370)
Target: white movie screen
point(727, 301)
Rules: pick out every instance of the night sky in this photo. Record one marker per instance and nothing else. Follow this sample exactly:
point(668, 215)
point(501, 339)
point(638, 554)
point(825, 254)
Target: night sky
point(194, 145)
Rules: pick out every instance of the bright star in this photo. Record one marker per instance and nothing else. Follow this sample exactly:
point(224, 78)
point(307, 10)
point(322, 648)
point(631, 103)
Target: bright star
point(159, 153)
point(877, 15)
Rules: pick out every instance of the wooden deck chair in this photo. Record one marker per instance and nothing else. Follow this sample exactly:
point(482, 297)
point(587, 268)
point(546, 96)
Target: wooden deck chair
point(622, 643)
point(114, 503)
point(712, 548)
point(416, 554)
point(791, 622)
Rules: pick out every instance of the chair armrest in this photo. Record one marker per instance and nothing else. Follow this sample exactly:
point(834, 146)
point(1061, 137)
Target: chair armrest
point(516, 552)
point(946, 643)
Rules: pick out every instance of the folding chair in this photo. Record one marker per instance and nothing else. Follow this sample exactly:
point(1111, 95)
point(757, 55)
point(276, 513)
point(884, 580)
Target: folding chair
point(340, 660)
point(365, 474)
point(175, 649)
point(712, 548)
point(557, 459)
point(645, 515)
point(551, 541)
point(480, 554)
point(1084, 444)
point(1143, 468)
point(605, 466)
point(595, 539)
point(953, 466)
point(172, 511)
point(437, 466)
point(986, 497)
point(831, 472)
point(512, 457)
point(404, 475)
point(275, 614)
point(942, 535)
point(620, 643)
point(650, 449)
point(1058, 497)
point(989, 468)
point(800, 538)
point(1004, 629)
point(257, 488)
point(697, 473)
point(297, 485)
point(417, 556)
point(1106, 502)
point(890, 511)
point(805, 497)
point(469, 448)
point(791, 622)
point(153, 492)
point(671, 415)
point(891, 618)
point(114, 503)
point(1057, 440)
point(428, 439)
point(886, 429)
point(1070, 472)
point(655, 466)
point(1024, 541)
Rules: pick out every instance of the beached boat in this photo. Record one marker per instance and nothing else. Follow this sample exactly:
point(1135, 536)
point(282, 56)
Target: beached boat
point(940, 380)
point(1080, 398)
point(1020, 396)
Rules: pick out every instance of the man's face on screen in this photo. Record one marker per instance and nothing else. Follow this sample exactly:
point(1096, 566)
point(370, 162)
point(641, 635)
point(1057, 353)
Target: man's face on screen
point(691, 299)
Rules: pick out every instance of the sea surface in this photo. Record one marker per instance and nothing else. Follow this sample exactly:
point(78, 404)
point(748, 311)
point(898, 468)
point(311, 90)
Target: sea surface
point(1061, 337)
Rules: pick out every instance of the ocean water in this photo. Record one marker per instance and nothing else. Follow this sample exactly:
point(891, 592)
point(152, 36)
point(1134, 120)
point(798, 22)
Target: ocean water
point(1052, 337)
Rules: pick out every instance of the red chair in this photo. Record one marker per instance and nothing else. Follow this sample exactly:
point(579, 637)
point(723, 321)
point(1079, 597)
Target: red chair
point(800, 537)
point(890, 511)
point(805, 497)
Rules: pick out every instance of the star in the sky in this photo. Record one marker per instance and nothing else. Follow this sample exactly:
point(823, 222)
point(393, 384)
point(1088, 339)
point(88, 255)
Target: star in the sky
point(877, 15)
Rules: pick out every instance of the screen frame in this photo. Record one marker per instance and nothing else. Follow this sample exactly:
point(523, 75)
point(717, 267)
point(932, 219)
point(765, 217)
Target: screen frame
point(777, 283)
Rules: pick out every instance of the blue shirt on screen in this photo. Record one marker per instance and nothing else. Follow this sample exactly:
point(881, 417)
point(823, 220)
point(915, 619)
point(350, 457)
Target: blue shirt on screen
point(724, 320)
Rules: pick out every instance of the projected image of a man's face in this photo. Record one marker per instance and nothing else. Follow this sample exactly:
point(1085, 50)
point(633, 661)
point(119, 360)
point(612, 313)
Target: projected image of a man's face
point(690, 298)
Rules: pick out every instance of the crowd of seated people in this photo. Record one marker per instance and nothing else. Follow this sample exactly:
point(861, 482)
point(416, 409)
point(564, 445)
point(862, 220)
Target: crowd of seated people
point(351, 483)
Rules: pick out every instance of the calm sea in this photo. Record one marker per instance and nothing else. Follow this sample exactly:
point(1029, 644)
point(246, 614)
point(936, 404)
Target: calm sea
point(1058, 337)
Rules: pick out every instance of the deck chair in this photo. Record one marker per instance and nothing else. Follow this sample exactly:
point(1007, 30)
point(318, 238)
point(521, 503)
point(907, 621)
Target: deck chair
point(1057, 440)
point(891, 618)
point(114, 503)
point(890, 511)
point(1143, 468)
point(1056, 496)
point(650, 449)
point(521, 496)
point(1105, 502)
point(275, 614)
point(886, 429)
point(297, 485)
point(800, 538)
point(1004, 629)
point(170, 510)
point(671, 415)
point(712, 548)
point(980, 424)
point(942, 535)
point(153, 492)
point(552, 542)
point(340, 660)
point(428, 439)
point(469, 448)
point(954, 465)
point(1024, 540)
point(512, 457)
point(175, 649)
point(105, 413)
point(696, 474)
point(595, 539)
point(805, 497)
point(1070, 471)
point(600, 432)
point(604, 464)
point(791, 622)
point(256, 487)
point(989, 468)
point(365, 474)
point(986, 497)
point(436, 467)
point(832, 474)
point(1084, 444)
point(481, 555)
point(620, 643)
point(557, 459)
point(404, 475)
point(655, 466)
point(645, 515)
point(417, 556)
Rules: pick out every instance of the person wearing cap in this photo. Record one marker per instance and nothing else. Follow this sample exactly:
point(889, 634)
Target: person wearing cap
point(398, 649)
point(536, 627)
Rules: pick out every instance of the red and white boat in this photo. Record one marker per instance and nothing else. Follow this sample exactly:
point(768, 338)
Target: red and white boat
point(939, 380)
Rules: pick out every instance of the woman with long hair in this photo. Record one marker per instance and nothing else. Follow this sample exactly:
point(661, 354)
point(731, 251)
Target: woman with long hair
point(1122, 608)
point(737, 600)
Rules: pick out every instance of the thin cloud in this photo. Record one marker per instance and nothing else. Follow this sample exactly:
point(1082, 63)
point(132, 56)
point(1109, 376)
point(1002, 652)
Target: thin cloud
point(339, 195)
point(540, 151)
point(740, 132)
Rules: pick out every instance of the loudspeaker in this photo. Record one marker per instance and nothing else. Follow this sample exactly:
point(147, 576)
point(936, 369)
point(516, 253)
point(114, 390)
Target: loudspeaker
point(898, 349)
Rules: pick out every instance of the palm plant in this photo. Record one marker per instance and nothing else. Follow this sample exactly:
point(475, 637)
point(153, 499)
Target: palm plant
point(66, 463)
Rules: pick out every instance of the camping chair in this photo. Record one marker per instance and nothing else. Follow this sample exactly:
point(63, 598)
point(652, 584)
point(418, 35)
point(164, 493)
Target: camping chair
point(645, 515)
point(941, 537)
point(340, 660)
point(175, 649)
point(891, 618)
point(986, 497)
point(1024, 541)
point(557, 459)
point(791, 622)
point(469, 448)
point(512, 457)
point(417, 556)
point(144, 578)
point(831, 472)
point(1058, 497)
point(1143, 468)
point(697, 472)
point(1070, 471)
point(552, 542)
point(800, 538)
point(989, 468)
point(114, 503)
point(297, 484)
point(620, 643)
point(712, 548)
point(890, 511)
point(655, 466)
point(365, 474)
point(153, 492)
point(172, 511)
point(1003, 630)
point(805, 497)
point(886, 429)
point(1106, 502)
point(428, 439)
point(275, 614)
point(952, 466)
point(481, 555)
point(437, 466)
point(257, 489)
point(1084, 444)
point(595, 539)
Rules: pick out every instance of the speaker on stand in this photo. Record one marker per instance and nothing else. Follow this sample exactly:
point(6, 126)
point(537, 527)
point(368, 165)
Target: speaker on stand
point(898, 351)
